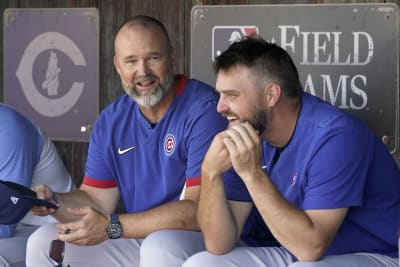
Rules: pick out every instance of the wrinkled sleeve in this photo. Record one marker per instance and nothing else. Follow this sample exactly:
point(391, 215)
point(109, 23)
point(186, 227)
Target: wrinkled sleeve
point(206, 122)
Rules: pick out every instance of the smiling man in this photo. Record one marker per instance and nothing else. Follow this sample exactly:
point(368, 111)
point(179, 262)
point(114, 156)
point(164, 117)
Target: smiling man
point(145, 148)
point(297, 181)
point(293, 181)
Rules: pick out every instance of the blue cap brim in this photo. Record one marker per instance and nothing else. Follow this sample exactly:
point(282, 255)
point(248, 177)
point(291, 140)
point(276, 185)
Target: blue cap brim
point(17, 200)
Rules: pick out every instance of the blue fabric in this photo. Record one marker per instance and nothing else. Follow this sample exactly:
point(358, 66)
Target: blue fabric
point(164, 157)
point(21, 146)
point(333, 161)
point(7, 230)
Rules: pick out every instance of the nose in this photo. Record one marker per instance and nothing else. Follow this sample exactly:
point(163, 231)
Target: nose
point(222, 106)
point(142, 68)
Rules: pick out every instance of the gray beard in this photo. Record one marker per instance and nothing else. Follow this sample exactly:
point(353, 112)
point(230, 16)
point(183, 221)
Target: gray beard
point(152, 99)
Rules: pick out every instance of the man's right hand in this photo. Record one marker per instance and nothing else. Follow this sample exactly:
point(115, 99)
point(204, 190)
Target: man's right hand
point(216, 160)
point(44, 192)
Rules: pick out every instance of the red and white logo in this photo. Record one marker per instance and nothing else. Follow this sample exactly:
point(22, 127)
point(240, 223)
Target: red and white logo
point(169, 144)
point(224, 36)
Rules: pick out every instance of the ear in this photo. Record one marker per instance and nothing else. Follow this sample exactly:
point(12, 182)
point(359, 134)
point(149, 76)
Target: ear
point(172, 56)
point(116, 65)
point(272, 92)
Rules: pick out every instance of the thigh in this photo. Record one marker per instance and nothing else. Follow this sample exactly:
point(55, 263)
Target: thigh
point(243, 256)
point(351, 260)
point(170, 247)
point(12, 249)
point(118, 252)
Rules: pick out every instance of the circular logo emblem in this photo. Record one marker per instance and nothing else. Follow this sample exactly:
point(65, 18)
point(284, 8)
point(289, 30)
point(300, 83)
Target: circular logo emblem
point(57, 43)
point(169, 144)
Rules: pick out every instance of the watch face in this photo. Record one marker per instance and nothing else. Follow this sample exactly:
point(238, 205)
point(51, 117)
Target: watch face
point(114, 230)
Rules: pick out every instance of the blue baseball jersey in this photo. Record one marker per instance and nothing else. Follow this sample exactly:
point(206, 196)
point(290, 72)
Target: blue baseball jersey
point(21, 146)
point(151, 164)
point(333, 160)
point(28, 157)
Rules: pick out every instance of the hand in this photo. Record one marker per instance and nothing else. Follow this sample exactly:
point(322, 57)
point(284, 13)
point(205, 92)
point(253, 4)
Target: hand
point(244, 146)
point(43, 192)
point(89, 230)
point(216, 160)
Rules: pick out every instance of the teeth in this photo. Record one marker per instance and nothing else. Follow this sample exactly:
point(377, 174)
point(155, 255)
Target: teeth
point(231, 118)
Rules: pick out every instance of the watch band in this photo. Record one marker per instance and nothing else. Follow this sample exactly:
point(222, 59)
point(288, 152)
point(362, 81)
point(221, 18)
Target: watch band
point(114, 228)
point(114, 218)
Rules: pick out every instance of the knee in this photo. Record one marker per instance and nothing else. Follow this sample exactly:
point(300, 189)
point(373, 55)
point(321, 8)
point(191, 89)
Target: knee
point(170, 247)
point(38, 243)
point(42, 236)
point(159, 249)
point(159, 242)
point(204, 258)
point(307, 264)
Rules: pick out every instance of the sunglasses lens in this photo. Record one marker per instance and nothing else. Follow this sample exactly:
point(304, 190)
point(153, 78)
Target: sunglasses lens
point(57, 250)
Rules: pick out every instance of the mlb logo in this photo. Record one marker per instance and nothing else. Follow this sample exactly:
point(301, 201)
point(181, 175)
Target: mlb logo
point(224, 36)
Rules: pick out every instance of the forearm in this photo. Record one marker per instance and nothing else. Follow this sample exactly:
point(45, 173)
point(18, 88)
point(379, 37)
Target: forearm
point(215, 217)
point(74, 199)
point(179, 215)
point(292, 227)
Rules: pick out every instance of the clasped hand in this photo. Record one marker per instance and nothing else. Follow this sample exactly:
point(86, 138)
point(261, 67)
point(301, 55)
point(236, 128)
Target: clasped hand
point(238, 147)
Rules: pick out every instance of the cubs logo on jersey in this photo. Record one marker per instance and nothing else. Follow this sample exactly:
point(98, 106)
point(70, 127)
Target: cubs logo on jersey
point(169, 144)
point(224, 36)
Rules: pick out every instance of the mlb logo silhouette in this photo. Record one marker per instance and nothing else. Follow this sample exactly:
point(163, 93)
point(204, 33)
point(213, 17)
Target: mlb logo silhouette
point(224, 36)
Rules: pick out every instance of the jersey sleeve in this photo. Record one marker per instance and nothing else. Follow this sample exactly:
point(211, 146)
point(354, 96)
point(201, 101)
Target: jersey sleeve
point(97, 171)
point(206, 122)
point(21, 146)
point(337, 172)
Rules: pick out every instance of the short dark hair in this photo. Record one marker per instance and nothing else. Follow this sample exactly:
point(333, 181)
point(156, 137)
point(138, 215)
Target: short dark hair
point(268, 60)
point(145, 21)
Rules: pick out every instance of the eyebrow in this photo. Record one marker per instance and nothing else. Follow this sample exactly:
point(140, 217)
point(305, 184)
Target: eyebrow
point(149, 54)
point(228, 91)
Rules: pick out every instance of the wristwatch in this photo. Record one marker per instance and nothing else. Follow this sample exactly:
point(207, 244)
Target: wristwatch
point(114, 228)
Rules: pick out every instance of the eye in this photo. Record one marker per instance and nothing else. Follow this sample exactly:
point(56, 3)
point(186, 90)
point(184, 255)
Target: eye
point(153, 58)
point(130, 61)
point(232, 96)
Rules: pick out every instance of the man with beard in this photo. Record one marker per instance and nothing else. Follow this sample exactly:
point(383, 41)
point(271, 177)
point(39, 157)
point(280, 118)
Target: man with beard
point(145, 148)
point(293, 181)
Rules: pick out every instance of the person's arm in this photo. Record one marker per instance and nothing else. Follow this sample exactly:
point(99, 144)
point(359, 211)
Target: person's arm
point(174, 215)
point(306, 234)
point(20, 144)
point(90, 228)
point(103, 200)
point(221, 222)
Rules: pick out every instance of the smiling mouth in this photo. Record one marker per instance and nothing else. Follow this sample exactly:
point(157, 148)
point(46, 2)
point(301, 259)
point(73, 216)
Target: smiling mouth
point(146, 83)
point(146, 86)
point(232, 119)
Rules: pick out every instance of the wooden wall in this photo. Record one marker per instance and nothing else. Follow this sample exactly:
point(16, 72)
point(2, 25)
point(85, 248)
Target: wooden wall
point(175, 14)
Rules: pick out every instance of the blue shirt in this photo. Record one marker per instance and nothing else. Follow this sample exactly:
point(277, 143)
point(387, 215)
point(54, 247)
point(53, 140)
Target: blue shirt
point(333, 160)
point(20, 149)
point(156, 161)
